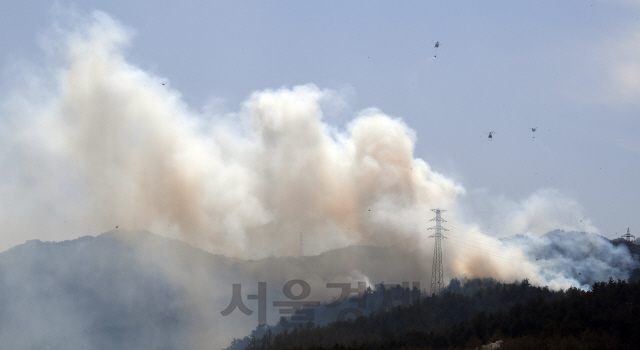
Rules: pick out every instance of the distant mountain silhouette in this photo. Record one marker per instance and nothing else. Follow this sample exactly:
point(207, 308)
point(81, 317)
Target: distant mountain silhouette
point(91, 292)
point(134, 290)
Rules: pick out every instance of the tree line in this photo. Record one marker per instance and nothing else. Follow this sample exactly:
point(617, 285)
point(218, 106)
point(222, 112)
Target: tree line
point(478, 312)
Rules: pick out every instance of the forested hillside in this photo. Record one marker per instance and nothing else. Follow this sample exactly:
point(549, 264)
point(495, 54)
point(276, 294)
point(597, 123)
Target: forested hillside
point(607, 316)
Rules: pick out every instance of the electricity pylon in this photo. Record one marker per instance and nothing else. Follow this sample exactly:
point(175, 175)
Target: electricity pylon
point(437, 271)
point(628, 237)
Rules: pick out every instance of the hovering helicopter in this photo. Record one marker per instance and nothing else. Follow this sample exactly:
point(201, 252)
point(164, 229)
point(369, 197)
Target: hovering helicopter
point(437, 45)
point(490, 133)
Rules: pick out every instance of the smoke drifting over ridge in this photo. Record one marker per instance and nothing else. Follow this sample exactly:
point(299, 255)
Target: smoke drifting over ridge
point(94, 142)
point(144, 160)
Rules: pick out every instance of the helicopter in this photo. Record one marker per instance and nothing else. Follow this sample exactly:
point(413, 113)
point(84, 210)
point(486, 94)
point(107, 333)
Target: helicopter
point(437, 45)
point(490, 133)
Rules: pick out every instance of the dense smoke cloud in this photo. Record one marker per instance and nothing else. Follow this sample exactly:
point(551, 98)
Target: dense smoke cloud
point(93, 142)
point(141, 159)
point(575, 258)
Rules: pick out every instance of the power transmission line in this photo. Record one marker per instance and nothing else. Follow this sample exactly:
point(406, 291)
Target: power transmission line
point(480, 250)
point(486, 241)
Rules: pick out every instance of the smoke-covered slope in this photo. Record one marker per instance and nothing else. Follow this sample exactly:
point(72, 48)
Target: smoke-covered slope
point(94, 293)
point(575, 258)
point(129, 290)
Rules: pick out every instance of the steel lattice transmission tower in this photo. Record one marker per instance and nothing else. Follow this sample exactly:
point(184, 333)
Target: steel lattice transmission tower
point(628, 237)
point(437, 271)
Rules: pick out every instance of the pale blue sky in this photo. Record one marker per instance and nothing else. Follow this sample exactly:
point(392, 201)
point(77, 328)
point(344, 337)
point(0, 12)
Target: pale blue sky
point(570, 68)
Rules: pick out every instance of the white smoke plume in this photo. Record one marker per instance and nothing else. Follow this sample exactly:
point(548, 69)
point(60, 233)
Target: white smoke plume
point(91, 142)
point(112, 145)
point(575, 258)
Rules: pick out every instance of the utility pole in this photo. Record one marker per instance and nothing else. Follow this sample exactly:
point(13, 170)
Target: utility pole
point(437, 271)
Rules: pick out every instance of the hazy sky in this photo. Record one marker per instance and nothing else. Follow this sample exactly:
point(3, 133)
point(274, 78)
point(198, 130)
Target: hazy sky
point(569, 68)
